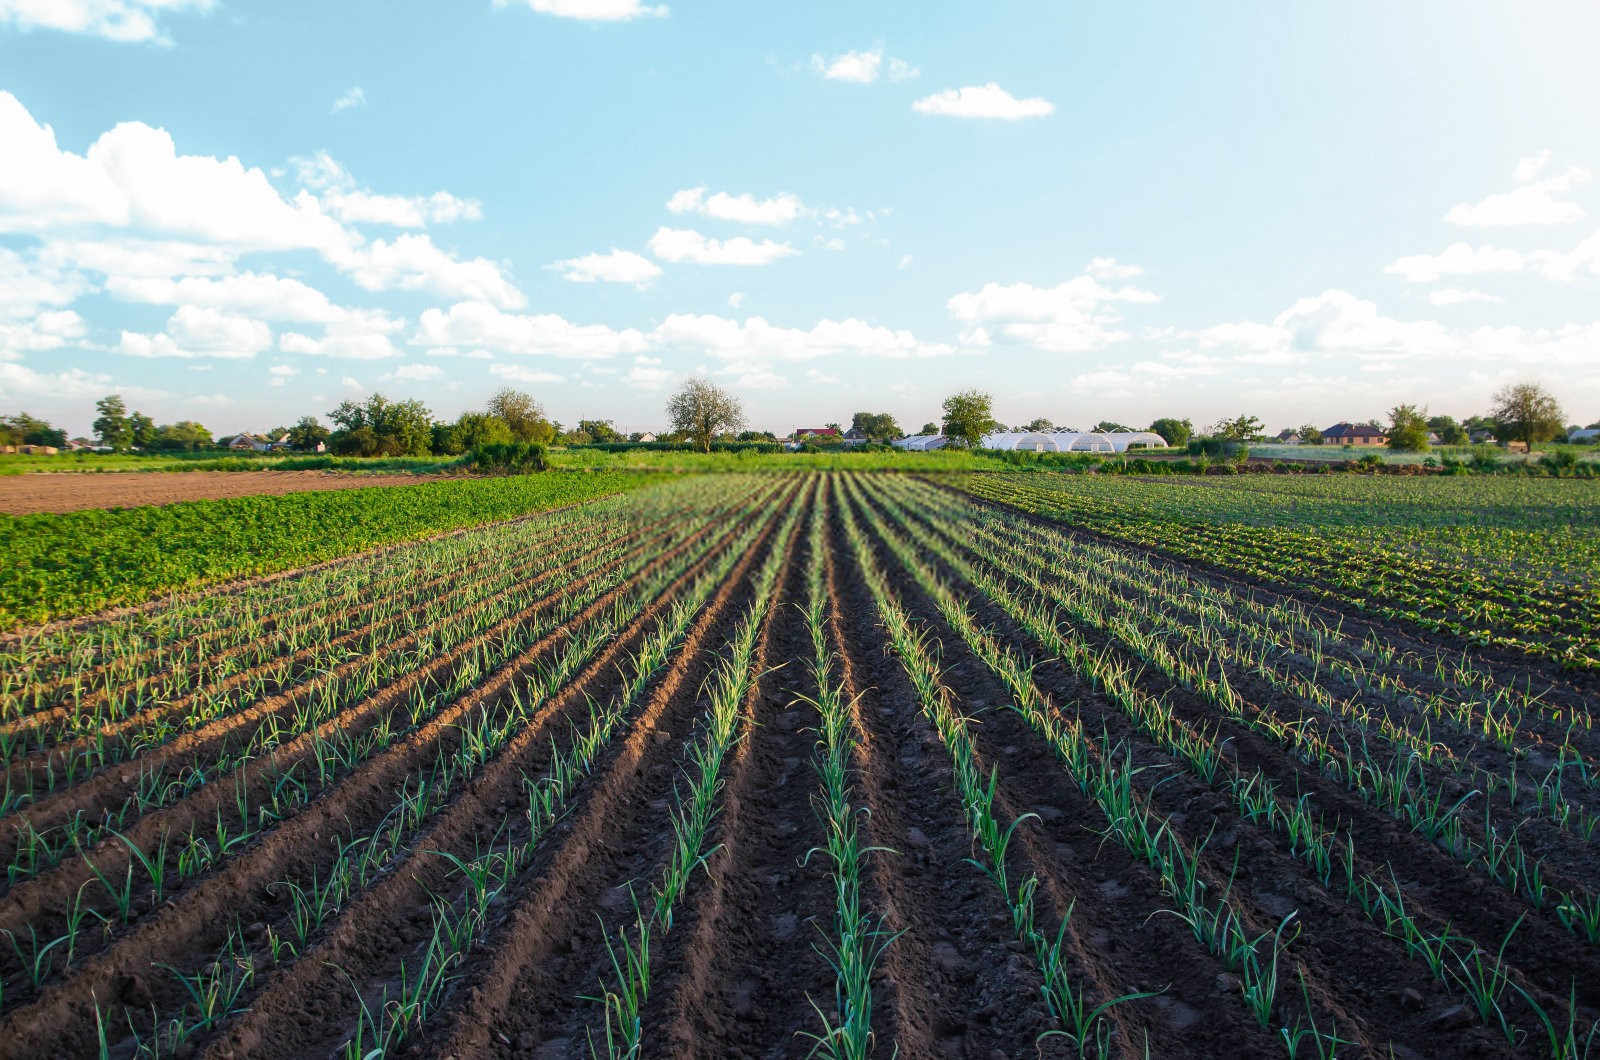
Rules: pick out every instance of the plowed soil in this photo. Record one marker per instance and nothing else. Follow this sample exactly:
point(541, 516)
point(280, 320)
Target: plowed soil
point(414, 731)
point(71, 492)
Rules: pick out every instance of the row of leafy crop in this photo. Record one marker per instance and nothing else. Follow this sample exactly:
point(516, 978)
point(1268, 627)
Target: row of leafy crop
point(108, 669)
point(80, 561)
point(159, 837)
point(463, 738)
point(1435, 580)
point(1480, 974)
point(1546, 867)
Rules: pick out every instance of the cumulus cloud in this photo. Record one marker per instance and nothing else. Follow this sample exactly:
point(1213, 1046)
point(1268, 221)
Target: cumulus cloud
point(412, 262)
point(687, 245)
point(45, 331)
point(1073, 316)
point(617, 266)
point(647, 373)
point(481, 325)
point(198, 331)
point(1453, 296)
point(861, 67)
point(127, 21)
point(983, 101)
point(336, 189)
point(1535, 202)
point(1458, 259)
point(517, 373)
point(593, 10)
point(743, 208)
point(353, 98)
point(416, 373)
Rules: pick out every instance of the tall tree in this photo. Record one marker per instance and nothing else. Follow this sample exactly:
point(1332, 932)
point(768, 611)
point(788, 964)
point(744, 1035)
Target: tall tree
point(602, 432)
point(968, 416)
point(929, 428)
point(877, 426)
point(23, 429)
point(523, 416)
point(142, 431)
point(702, 410)
point(380, 427)
point(111, 427)
point(1110, 427)
point(1309, 434)
point(1238, 429)
point(1408, 429)
point(307, 434)
point(1177, 432)
point(1526, 412)
point(1449, 431)
point(1039, 425)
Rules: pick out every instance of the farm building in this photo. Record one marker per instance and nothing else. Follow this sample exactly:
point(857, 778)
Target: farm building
point(803, 433)
point(1288, 437)
point(919, 443)
point(1585, 436)
point(1354, 434)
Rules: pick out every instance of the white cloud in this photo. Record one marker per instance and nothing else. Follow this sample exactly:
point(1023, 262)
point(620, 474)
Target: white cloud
point(27, 286)
point(256, 294)
point(1530, 166)
point(757, 341)
point(125, 256)
point(1565, 266)
point(1458, 259)
point(517, 373)
point(354, 341)
point(1073, 316)
point(905, 262)
point(594, 10)
point(1110, 269)
point(133, 177)
point(983, 101)
point(339, 193)
point(647, 373)
point(117, 20)
point(1452, 296)
point(684, 244)
point(618, 266)
point(743, 208)
point(47, 331)
point(74, 384)
point(416, 373)
point(412, 262)
point(280, 374)
point(479, 325)
point(1536, 202)
point(735, 300)
point(354, 97)
point(198, 331)
point(861, 68)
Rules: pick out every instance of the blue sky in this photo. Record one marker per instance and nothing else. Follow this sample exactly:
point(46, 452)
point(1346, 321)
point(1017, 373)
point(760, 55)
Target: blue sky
point(245, 212)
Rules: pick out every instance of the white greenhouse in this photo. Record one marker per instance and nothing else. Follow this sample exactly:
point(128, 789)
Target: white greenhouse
point(1022, 442)
point(919, 443)
point(1125, 440)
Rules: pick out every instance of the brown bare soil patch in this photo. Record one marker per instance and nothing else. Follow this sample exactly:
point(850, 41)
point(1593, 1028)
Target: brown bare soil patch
point(67, 492)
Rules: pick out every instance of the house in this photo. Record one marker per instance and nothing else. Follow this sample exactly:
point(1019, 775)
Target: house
point(1585, 436)
point(802, 434)
point(37, 450)
point(1288, 437)
point(1481, 436)
point(1354, 434)
point(647, 436)
point(855, 434)
point(78, 444)
point(247, 443)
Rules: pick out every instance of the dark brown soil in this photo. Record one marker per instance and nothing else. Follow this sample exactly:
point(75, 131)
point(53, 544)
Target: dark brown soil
point(742, 970)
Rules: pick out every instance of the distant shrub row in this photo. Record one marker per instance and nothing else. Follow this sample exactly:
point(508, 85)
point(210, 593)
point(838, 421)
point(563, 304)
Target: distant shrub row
point(511, 457)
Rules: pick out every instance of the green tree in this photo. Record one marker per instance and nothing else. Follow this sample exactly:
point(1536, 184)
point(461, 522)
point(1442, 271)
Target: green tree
point(702, 410)
point(1309, 434)
point(380, 427)
point(23, 429)
point(1449, 431)
point(524, 416)
point(1110, 427)
point(307, 434)
point(1526, 412)
point(111, 427)
point(142, 431)
point(183, 436)
point(929, 428)
point(1408, 429)
point(1038, 425)
point(601, 432)
point(877, 426)
point(1177, 432)
point(968, 416)
point(1238, 429)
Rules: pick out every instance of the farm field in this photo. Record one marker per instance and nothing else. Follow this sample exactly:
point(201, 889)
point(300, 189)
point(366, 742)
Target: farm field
point(30, 494)
point(852, 763)
point(1507, 563)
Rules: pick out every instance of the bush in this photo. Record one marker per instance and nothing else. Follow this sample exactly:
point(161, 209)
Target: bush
point(510, 457)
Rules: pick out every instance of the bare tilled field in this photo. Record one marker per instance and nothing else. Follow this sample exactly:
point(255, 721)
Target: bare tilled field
point(68, 492)
point(754, 766)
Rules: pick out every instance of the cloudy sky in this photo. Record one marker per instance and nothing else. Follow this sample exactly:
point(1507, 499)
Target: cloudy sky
point(243, 211)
